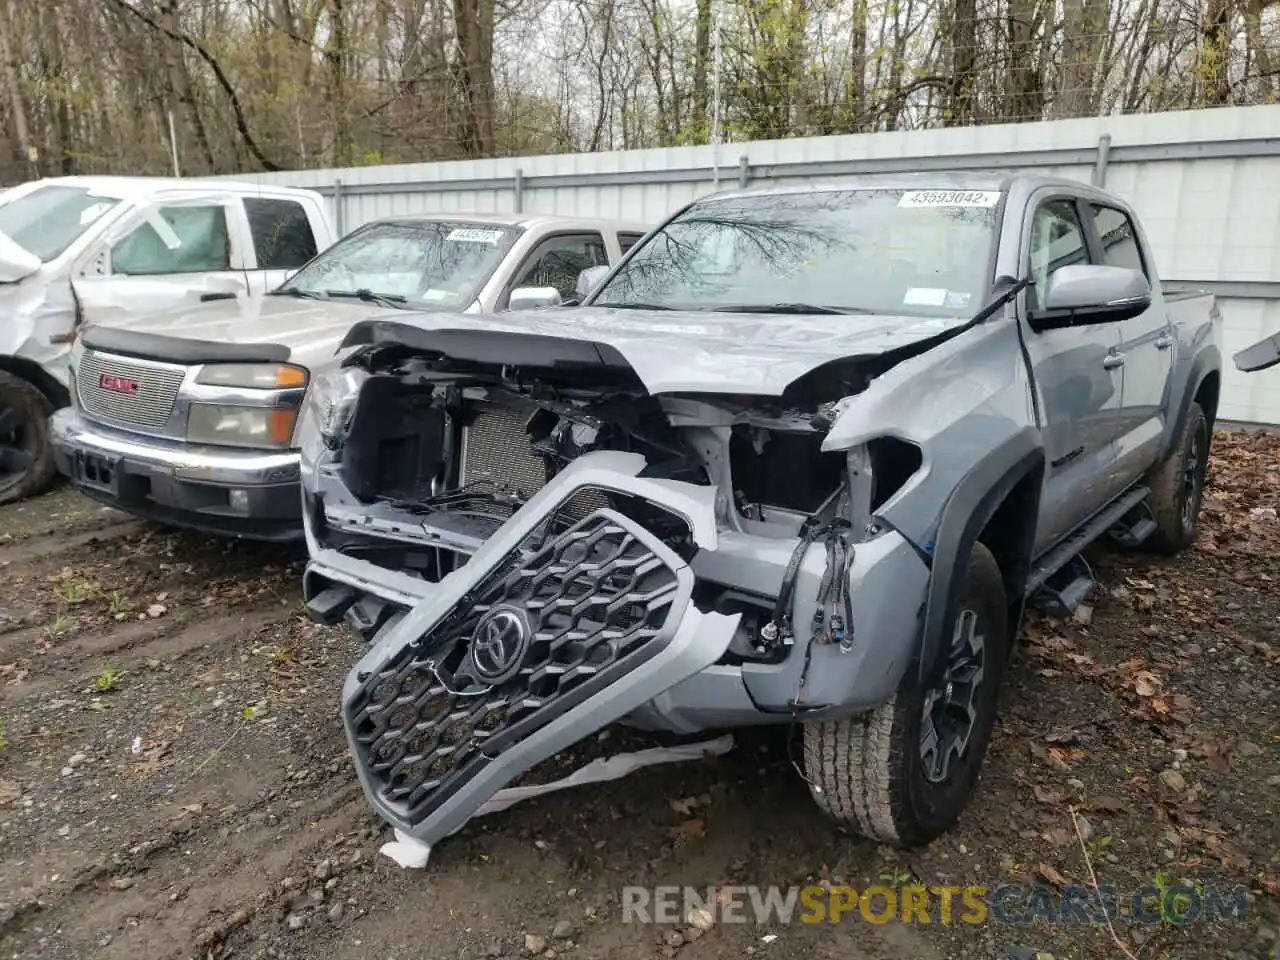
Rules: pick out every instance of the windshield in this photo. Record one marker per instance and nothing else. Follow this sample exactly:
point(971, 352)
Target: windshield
point(897, 252)
point(49, 219)
point(441, 263)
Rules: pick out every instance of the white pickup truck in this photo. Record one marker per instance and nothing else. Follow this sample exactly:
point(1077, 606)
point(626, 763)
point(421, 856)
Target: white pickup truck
point(188, 416)
point(103, 250)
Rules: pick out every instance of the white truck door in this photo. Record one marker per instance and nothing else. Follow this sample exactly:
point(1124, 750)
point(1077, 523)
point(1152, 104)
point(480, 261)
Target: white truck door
point(170, 254)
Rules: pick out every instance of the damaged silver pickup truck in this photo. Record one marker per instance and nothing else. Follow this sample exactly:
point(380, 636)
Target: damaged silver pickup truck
point(802, 456)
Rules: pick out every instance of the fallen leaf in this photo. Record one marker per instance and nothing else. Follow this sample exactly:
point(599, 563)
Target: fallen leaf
point(684, 807)
point(1159, 706)
point(1045, 795)
point(1058, 758)
point(1052, 875)
point(692, 828)
point(9, 792)
point(1059, 836)
point(1107, 804)
point(1145, 683)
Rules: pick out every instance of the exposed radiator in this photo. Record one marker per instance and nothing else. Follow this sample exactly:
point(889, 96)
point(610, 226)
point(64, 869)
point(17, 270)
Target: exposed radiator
point(495, 450)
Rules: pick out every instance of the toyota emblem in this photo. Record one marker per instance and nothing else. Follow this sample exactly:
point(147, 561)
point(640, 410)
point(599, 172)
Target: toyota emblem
point(499, 644)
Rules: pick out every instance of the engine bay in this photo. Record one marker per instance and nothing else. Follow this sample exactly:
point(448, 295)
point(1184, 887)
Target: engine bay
point(427, 437)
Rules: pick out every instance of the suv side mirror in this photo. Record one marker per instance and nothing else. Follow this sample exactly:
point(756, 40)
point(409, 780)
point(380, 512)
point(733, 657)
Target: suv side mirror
point(589, 279)
point(1260, 356)
point(1086, 293)
point(533, 298)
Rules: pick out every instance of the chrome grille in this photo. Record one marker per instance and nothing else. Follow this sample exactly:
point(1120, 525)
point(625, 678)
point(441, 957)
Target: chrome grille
point(150, 407)
point(495, 450)
point(594, 603)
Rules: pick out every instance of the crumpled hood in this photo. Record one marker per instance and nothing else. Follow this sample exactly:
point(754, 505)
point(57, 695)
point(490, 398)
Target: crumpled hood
point(684, 351)
point(312, 329)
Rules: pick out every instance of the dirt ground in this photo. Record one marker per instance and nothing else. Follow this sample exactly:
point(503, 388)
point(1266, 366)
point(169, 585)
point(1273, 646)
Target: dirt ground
point(174, 781)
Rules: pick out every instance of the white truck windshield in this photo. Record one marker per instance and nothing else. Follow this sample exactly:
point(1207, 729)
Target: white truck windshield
point(49, 219)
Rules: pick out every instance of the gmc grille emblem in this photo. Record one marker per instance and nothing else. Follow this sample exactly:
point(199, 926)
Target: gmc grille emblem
point(118, 384)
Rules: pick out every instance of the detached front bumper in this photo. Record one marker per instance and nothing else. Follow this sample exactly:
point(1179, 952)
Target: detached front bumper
point(249, 494)
point(431, 744)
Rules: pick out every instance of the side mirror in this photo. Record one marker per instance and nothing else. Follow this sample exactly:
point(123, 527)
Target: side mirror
point(589, 279)
point(1086, 293)
point(533, 298)
point(1260, 356)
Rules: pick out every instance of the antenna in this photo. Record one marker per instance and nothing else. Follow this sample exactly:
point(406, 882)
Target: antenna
point(173, 145)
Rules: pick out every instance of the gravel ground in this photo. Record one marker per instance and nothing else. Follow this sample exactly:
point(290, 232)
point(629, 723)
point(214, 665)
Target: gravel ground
point(174, 781)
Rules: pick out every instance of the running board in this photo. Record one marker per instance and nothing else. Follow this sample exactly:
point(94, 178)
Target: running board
point(1060, 580)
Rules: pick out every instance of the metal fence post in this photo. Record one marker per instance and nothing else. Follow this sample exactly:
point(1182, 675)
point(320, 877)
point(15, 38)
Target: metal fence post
point(744, 171)
point(1099, 178)
point(519, 191)
point(339, 213)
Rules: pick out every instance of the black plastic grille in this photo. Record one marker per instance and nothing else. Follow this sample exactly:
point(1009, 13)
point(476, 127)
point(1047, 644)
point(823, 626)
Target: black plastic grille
point(596, 601)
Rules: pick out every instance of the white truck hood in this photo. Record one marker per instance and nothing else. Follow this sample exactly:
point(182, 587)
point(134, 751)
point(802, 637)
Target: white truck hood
point(311, 329)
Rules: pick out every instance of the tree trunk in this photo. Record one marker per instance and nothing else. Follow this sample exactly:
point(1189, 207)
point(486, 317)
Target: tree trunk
point(473, 21)
point(17, 103)
point(182, 98)
point(701, 63)
point(1212, 63)
point(1023, 90)
point(1083, 26)
point(964, 58)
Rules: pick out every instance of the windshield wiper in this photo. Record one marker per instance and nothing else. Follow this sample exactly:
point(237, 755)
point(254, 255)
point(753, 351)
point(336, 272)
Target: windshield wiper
point(788, 308)
point(294, 292)
point(382, 299)
point(632, 306)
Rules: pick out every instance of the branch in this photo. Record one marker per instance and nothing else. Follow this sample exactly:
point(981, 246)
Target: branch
point(241, 124)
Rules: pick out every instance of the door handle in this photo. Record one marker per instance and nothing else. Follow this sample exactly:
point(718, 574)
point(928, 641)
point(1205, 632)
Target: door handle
point(1113, 360)
point(1164, 341)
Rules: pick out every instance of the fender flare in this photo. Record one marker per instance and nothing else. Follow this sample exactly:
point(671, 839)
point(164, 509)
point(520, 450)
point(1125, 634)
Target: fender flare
point(1207, 361)
point(38, 377)
point(971, 504)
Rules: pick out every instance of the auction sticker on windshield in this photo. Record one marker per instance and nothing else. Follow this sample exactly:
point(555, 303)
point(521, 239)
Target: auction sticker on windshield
point(462, 235)
point(949, 198)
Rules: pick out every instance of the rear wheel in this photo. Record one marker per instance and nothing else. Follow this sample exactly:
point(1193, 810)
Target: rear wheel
point(26, 456)
point(1177, 486)
point(902, 773)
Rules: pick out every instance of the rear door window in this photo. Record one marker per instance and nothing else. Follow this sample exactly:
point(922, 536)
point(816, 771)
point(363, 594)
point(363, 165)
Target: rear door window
point(281, 232)
point(1119, 240)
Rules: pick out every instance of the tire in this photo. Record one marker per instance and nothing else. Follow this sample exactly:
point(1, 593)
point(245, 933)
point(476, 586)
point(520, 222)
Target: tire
point(27, 466)
point(870, 773)
point(1177, 486)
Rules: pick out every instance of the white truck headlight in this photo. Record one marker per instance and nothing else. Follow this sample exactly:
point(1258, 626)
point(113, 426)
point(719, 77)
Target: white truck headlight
point(240, 426)
point(260, 376)
point(332, 400)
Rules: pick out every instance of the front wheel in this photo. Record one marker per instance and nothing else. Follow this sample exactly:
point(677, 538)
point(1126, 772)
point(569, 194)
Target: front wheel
point(902, 773)
point(26, 456)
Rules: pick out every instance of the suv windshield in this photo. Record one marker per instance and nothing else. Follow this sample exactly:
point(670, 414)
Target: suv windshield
point(896, 252)
point(439, 262)
point(49, 219)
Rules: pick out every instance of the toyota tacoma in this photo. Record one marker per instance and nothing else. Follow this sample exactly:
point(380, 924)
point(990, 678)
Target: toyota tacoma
point(803, 456)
